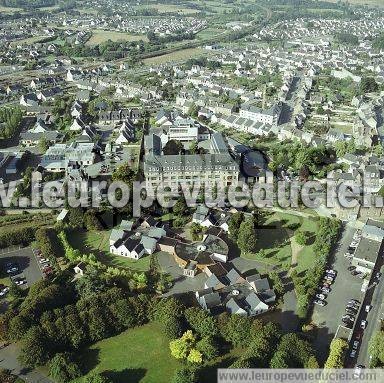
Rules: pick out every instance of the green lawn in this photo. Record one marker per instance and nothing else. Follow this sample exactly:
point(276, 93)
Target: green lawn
point(142, 355)
point(274, 238)
point(136, 355)
point(97, 242)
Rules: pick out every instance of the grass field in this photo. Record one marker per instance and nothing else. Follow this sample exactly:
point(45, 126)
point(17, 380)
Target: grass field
point(142, 355)
point(275, 240)
point(136, 355)
point(29, 40)
point(183, 54)
point(97, 242)
point(100, 36)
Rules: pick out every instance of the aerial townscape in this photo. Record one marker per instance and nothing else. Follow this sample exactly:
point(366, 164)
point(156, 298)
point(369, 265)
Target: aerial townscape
point(189, 187)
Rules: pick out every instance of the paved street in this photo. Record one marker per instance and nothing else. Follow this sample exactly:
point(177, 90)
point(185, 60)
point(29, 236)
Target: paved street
point(8, 360)
point(374, 297)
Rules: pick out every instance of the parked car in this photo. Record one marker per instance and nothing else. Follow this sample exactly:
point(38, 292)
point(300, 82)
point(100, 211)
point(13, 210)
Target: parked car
point(356, 344)
point(330, 272)
point(351, 268)
point(368, 308)
point(363, 324)
point(350, 311)
point(352, 354)
point(319, 302)
point(348, 255)
point(44, 260)
point(20, 282)
point(325, 290)
point(354, 273)
point(348, 317)
point(12, 268)
point(354, 301)
point(320, 296)
point(4, 291)
point(326, 284)
point(378, 275)
point(357, 371)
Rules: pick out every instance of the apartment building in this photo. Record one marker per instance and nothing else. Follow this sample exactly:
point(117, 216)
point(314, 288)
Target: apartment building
point(217, 166)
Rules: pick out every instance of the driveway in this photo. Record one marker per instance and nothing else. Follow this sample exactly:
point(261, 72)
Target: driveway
point(344, 288)
point(8, 360)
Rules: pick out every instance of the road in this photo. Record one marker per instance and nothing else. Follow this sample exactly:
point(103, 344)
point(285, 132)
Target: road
point(373, 297)
point(8, 360)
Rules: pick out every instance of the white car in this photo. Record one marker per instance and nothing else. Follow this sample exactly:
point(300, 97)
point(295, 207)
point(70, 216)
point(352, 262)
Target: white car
point(356, 344)
point(20, 282)
point(352, 354)
point(357, 371)
point(320, 296)
point(44, 260)
point(330, 272)
point(363, 324)
point(368, 308)
point(4, 291)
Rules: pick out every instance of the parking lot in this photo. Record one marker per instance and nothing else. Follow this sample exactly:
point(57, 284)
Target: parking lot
point(26, 261)
point(344, 288)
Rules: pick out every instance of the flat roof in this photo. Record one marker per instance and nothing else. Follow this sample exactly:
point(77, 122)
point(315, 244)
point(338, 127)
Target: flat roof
point(368, 250)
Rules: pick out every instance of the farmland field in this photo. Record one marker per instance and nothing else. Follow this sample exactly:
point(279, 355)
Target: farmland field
point(183, 54)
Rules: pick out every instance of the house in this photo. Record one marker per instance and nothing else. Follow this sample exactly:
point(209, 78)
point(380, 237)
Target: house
point(80, 268)
point(29, 99)
point(77, 125)
point(255, 305)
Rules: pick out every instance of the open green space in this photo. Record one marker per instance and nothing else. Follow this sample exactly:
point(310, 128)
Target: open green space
point(275, 237)
point(136, 355)
point(142, 355)
point(100, 36)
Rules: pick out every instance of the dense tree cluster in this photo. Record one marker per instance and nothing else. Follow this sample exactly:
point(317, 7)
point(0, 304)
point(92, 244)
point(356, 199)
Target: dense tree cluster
point(307, 285)
point(336, 356)
point(10, 119)
point(295, 156)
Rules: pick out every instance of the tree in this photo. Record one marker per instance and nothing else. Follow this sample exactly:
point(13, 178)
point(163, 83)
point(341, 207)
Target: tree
point(193, 110)
point(247, 236)
point(124, 173)
point(173, 147)
point(184, 348)
point(183, 375)
point(76, 217)
point(376, 349)
point(368, 85)
point(15, 291)
point(201, 321)
point(196, 231)
point(195, 356)
point(208, 347)
point(236, 330)
point(301, 238)
point(43, 144)
point(241, 363)
point(194, 147)
point(63, 369)
point(234, 225)
point(34, 349)
point(336, 355)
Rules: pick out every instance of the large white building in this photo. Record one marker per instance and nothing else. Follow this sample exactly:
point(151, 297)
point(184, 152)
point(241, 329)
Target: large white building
point(218, 166)
point(269, 116)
